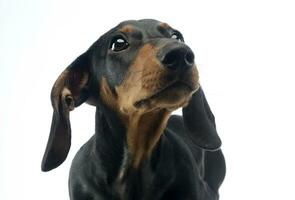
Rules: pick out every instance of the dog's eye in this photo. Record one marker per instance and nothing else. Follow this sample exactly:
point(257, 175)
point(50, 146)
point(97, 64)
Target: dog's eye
point(118, 44)
point(177, 36)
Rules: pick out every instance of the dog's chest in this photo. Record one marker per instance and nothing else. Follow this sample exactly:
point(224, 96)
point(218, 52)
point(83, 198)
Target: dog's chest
point(138, 184)
point(142, 183)
point(134, 183)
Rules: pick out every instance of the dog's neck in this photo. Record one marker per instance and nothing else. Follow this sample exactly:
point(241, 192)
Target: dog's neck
point(142, 126)
point(143, 131)
point(136, 135)
point(128, 148)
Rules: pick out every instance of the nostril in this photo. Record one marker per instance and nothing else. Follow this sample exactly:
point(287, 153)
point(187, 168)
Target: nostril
point(170, 58)
point(189, 58)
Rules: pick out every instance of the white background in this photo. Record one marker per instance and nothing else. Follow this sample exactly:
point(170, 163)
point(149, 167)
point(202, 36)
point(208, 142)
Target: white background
point(245, 52)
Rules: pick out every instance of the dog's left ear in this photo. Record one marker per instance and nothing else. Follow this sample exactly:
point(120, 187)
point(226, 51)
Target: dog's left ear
point(200, 122)
point(69, 91)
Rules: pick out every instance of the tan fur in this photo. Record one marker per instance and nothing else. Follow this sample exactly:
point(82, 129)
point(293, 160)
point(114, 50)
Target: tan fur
point(62, 89)
point(57, 88)
point(145, 76)
point(67, 95)
point(107, 96)
point(144, 125)
point(127, 29)
point(144, 131)
point(164, 25)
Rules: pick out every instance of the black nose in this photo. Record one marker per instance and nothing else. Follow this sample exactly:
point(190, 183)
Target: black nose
point(178, 58)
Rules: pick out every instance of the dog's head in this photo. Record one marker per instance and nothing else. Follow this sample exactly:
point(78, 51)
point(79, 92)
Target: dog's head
point(144, 65)
point(138, 66)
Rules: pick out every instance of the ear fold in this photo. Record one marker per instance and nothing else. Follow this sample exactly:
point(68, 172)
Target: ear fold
point(69, 91)
point(200, 122)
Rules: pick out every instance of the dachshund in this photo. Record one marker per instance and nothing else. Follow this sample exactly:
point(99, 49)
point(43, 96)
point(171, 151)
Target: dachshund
point(136, 75)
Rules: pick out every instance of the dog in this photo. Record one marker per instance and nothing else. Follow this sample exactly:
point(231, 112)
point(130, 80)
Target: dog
point(136, 75)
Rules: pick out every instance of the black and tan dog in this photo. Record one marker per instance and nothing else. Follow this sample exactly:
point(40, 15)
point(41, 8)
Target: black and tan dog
point(136, 75)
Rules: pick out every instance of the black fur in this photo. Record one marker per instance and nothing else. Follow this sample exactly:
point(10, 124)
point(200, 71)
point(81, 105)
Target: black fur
point(186, 163)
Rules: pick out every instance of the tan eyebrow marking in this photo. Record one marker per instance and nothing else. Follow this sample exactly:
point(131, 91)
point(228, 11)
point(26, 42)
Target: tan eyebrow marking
point(164, 25)
point(127, 29)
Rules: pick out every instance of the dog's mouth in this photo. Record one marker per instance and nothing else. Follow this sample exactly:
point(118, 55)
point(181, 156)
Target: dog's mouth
point(172, 90)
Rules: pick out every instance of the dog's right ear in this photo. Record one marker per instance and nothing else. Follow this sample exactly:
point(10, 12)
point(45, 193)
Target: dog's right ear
point(69, 91)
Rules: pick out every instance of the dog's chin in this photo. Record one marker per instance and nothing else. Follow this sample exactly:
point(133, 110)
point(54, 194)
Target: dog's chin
point(171, 97)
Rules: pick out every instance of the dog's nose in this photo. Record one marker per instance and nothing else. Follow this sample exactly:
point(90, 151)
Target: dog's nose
point(178, 58)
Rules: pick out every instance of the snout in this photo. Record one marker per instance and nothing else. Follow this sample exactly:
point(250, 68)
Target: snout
point(174, 76)
point(176, 57)
point(178, 63)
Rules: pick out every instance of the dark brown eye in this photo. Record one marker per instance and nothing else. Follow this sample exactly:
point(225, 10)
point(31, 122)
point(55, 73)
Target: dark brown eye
point(118, 44)
point(177, 36)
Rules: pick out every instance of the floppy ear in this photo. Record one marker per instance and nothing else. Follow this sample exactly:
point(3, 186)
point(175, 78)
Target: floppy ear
point(69, 91)
point(200, 122)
